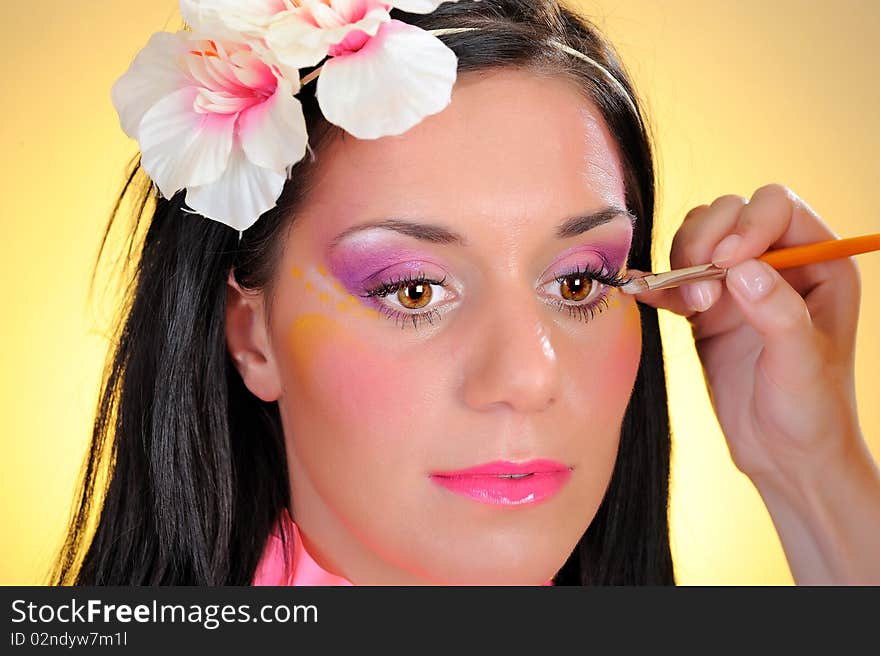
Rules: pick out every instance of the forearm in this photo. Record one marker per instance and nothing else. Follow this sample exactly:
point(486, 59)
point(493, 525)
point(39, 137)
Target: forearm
point(828, 520)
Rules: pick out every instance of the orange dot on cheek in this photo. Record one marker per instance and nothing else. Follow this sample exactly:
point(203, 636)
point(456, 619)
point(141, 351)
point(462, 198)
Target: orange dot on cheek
point(317, 284)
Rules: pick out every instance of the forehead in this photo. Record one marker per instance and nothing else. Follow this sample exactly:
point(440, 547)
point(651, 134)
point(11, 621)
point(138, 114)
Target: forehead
point(512, 147)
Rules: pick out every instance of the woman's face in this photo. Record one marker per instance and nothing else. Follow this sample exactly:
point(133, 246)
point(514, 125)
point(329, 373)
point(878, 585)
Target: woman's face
point(501, 363)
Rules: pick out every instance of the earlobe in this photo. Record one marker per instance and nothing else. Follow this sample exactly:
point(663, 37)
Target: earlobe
point(248, 342)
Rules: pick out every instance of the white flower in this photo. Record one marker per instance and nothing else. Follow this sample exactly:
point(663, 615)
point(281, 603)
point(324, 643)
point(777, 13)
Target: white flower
point(211, 117)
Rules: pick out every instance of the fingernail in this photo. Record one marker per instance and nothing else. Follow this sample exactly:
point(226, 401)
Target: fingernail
point(725, 249)
point(753, 278)
point(698, 296)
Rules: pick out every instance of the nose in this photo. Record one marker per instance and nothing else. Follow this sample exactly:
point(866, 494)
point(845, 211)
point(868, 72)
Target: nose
point(511, 360)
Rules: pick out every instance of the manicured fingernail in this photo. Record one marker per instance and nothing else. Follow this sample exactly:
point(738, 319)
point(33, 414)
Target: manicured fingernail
point(725, 249)
point(698, 296)
point(753, 278)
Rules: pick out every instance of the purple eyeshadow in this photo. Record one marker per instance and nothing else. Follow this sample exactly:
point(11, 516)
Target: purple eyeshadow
point(612, 255)
point(357, 263)
point(616, 255)
point(354, 265)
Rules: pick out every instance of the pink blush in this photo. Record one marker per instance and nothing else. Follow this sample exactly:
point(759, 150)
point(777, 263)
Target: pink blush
point(337, 372)
point(624, 345)
point(615, 350)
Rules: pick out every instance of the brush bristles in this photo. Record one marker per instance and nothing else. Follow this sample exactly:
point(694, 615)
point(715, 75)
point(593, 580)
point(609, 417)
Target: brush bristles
point(635, 286)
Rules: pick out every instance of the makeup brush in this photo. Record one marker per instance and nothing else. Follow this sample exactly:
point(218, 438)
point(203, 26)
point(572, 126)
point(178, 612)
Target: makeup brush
point(781, 258)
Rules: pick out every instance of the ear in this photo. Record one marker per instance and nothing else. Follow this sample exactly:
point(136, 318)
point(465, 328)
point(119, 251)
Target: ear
point(247, 339)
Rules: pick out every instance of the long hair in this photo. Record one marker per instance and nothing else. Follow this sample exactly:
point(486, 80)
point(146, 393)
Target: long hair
point(186, 471)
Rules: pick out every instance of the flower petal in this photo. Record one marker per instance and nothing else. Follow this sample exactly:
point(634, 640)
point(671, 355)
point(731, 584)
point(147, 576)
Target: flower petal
point(273, 133)
point(349, 10)
point(153, 74)
point(281, 70)
point(181, 147)
point(299, 42)
point(232, 19)
point(296, 43)
point(418, 6)
point(240, 196)
point(250, 70)
point(190, 10)
point(400, 76)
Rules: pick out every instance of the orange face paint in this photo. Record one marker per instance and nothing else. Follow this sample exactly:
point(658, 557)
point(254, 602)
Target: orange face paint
point(318, 284)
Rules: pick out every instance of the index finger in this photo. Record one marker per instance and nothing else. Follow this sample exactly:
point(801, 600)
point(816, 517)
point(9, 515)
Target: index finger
point(775, 217)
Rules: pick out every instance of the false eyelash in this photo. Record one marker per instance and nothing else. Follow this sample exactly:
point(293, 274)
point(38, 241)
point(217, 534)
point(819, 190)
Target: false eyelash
point(392, 286)
point(601, 275)
point(588, 311)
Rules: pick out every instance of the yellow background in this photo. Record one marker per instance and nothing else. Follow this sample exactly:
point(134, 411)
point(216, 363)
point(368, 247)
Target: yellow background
point(741, 94)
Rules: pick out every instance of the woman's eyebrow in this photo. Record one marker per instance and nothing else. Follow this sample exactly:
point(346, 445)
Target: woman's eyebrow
point(437, 234)
point(577, 225)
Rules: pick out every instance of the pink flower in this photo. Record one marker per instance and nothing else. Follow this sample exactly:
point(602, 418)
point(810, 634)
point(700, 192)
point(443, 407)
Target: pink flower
point(213, 118)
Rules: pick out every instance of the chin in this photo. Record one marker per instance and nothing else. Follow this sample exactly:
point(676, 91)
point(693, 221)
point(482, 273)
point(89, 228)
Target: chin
point(499, 560)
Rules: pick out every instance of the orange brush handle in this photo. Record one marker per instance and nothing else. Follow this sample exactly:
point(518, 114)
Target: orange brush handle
point(784, 258)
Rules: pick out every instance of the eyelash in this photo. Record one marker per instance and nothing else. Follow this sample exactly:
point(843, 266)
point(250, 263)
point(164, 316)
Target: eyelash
point(584, 312)
point(387, 287)
point(598, 305)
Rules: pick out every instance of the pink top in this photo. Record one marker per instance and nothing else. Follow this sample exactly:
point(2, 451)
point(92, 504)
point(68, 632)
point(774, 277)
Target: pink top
point(271, 569)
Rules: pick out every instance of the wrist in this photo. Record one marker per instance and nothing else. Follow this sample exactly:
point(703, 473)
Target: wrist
point(827, 515)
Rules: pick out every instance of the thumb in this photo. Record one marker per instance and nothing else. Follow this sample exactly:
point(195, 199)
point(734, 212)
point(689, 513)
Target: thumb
point(778, 313)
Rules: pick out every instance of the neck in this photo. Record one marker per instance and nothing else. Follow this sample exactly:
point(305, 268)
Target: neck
point(333, 545)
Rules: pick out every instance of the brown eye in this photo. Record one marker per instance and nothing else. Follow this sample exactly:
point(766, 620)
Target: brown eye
point(414, 295)
point(576, 287)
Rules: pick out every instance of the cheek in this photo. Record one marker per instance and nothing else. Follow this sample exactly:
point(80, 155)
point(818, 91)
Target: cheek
point(350, 391)
point(338, 410)
point(336, 378)
point(623, 340)
point(349, 399)
point(604, 374)
point(608, 374)
point(332, 375)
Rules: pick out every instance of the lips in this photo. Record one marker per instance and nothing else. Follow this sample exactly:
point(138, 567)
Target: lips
point(506, 483)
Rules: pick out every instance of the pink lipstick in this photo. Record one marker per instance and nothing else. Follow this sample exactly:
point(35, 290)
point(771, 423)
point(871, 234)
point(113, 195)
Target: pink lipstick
point(507, 483)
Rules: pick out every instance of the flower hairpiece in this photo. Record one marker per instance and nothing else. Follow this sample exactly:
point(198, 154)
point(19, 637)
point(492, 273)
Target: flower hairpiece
point(214, 108)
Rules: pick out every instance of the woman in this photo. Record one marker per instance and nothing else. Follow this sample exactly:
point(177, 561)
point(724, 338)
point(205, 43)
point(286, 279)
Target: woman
point(416, 367)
